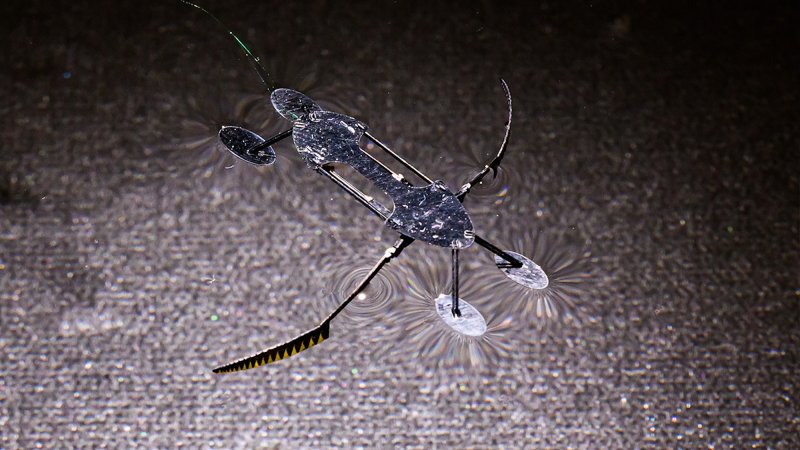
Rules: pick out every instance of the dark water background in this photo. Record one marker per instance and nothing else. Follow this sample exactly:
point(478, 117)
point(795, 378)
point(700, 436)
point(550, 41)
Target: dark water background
point(653, 166)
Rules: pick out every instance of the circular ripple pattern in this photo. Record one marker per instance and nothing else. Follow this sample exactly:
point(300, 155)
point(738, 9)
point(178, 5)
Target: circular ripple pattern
point(371, 305)
point(202, 116)
point(563, 298)
point(420, 331)
point(661, 138)
point(469, 162)
point(202, 154)
point(529, 274)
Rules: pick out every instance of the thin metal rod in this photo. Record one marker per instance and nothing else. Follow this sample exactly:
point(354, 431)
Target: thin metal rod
point(278, 137)
point(515, 263)
point(391, 253)
point(454, 288)
point(399, 158)
point(383, 166)
point(379, 210)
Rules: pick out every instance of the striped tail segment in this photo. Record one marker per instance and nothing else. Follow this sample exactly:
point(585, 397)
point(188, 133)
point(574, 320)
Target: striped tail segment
point(279, 352)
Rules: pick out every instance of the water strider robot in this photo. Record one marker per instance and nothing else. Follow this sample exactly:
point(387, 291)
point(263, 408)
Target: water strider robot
point(430, 213)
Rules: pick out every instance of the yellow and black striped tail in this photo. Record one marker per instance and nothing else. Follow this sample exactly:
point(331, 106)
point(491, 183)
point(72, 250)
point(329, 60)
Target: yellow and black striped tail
point(279, 352)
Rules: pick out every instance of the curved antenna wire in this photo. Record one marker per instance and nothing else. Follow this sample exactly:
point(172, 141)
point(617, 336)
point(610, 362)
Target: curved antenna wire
point(254, 60)
point(494, 163)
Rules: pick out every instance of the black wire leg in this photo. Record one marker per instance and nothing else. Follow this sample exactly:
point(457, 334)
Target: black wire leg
point(494, 163)
point(320, 332)
point(513, 262)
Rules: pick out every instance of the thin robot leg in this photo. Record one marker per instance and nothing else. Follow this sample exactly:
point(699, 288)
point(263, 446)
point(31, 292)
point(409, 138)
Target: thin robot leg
point(320, 332)
point(249, 146)
point(462, 194)
point(454, 288)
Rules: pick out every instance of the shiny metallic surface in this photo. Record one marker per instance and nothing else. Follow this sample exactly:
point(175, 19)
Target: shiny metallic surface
point(294, 106)
point(429, 213)
point(659, 139)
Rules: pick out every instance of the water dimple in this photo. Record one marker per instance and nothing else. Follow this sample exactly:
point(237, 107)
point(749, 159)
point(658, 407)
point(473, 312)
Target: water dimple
point(369, 305)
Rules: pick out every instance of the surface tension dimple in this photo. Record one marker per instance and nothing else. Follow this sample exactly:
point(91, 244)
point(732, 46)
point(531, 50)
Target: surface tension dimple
point(471, 322)
point(529, 275)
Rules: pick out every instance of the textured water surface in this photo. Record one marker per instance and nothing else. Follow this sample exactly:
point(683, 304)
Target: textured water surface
point(652, 173)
